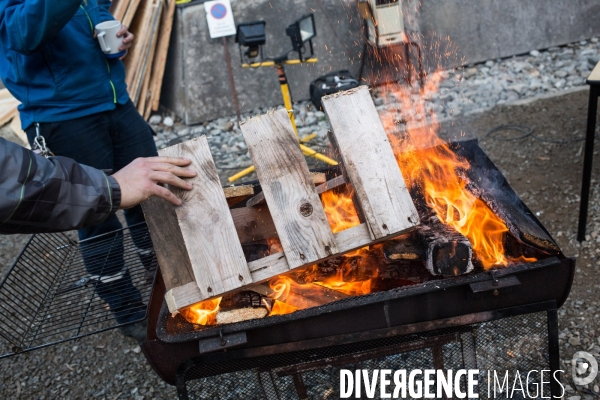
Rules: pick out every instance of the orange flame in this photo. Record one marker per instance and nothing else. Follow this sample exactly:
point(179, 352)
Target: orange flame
point(281, 308)
point(340, 210)
point(428, 162)
point(203, 313)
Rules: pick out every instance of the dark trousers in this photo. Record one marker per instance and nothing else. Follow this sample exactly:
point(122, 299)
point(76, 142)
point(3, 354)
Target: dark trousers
point(108, 140)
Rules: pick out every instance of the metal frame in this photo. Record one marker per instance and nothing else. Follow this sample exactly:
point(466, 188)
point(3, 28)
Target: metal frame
point(435, 342)
point(441, 286)
point(588, 158)
point(48, 296)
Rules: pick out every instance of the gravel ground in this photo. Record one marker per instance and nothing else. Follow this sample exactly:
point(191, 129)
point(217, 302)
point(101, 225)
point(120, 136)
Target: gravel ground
point(546, 175)
point(462, 92)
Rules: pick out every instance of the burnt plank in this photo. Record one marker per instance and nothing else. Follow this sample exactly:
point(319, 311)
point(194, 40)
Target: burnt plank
point(288, 187)
point(488, 183)
point(207, 226)
point(370, 163)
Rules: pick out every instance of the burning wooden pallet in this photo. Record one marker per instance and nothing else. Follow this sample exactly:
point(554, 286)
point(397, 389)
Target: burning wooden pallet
point(211, 237)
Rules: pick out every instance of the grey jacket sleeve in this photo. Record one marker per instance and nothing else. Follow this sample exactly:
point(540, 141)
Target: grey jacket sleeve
point(51, 195)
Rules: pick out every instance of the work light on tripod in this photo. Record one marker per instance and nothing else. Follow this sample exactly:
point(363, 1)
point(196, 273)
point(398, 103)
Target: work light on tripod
point(301, 32)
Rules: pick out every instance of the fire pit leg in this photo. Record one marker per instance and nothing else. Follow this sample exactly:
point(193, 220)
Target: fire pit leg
point(553, 351)
point(300, 388)
point(588, 159)
point(268, 386)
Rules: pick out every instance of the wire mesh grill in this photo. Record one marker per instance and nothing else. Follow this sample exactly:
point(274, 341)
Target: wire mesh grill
point(518, 343)
point(60, 289)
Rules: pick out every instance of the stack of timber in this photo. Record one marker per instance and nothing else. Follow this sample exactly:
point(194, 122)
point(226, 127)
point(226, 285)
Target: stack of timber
point(151, 21)
point(10, 114)
point(199, 244)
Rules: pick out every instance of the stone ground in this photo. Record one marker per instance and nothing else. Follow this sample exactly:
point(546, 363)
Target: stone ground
point(546, 175)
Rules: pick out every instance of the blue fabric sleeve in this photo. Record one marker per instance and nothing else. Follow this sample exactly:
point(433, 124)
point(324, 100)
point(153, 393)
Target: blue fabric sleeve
point(105, 14)
point(25, 26)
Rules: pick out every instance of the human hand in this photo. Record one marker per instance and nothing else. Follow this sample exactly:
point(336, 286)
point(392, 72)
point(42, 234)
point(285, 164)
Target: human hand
point(142, 178)
point(127, 40)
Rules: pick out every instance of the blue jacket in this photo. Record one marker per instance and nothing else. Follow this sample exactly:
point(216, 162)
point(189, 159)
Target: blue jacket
point(50, 61)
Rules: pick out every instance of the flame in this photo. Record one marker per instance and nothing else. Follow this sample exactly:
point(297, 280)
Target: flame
point(281, 308)
point(203, 313)
point(350, 288)
point(429, 165)
point(340, 210)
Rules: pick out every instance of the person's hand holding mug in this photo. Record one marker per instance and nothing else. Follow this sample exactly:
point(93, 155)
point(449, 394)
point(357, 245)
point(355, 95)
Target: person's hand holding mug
point(114, 38)
point(127, 40)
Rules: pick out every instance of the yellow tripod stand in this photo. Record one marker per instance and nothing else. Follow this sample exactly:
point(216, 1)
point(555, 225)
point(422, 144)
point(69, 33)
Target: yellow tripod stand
point(287, 101)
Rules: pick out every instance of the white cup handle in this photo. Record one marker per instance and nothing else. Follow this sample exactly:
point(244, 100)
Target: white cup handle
point(103, 45)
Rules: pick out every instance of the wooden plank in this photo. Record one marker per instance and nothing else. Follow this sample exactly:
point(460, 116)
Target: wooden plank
point(238, 191)
point(268, 267)
point(594, 77)
point(236, 194)
point(171, 254)
point(275, 264)
point(118, 8)
point(293, 201)
point(144, 63)
point(253, 224)
point(370, 163)
point(183, 296)
point(318, 179)
point(158, 69)
point(130, 12)
point(142, 27)
point(207, 226)
point(15, 126)
point(145, 78)
point(8, 113)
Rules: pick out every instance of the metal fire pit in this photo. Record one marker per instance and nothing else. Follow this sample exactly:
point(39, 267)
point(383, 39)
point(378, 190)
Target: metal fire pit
point(179, 351)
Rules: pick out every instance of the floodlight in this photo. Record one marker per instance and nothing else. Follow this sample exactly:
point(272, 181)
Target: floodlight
point(302, 31)
point(251, 35)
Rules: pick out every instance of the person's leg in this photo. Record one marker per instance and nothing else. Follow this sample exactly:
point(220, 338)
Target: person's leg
point(87, 140)
point(132, 138)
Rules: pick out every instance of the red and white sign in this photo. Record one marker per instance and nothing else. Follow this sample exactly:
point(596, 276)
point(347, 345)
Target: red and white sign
point(219, 18)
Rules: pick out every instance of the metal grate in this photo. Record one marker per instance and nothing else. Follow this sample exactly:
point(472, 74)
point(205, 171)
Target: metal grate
point(518, 343)
point(51, 295)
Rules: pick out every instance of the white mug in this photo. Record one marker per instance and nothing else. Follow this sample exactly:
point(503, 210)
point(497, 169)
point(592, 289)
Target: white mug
point(107, 36)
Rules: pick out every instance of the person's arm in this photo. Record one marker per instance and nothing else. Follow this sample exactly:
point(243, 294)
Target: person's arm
point(105, 14)
point(25, 26)
point(57, 194)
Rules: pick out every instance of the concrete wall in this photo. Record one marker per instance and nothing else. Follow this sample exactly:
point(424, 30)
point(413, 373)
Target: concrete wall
point(196, 86)
point(488, 29)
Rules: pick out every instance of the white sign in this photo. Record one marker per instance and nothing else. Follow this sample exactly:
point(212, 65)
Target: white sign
point(220, 18)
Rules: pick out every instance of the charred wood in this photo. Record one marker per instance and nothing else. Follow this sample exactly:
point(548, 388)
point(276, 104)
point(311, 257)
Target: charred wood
point(488, 183)
point(444, 251)
point(242, 306)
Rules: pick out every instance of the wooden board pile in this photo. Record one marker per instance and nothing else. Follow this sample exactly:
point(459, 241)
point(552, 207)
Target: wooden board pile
point(199, 244)
point(151, 21)
point(9, 113)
